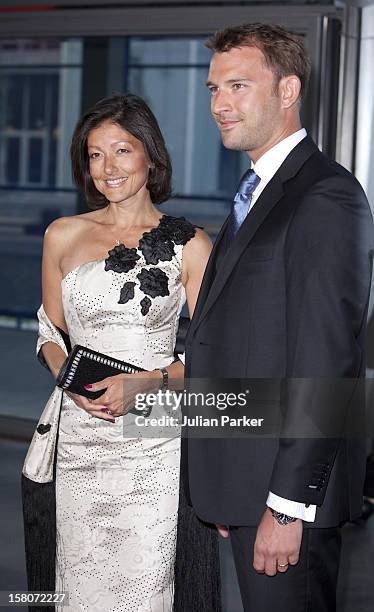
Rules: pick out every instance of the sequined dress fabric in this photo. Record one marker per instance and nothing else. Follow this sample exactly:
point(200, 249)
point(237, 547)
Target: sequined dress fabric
point(117, 488)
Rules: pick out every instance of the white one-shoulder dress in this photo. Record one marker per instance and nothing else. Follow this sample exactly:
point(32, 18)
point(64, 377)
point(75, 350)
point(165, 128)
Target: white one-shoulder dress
point(116, 488)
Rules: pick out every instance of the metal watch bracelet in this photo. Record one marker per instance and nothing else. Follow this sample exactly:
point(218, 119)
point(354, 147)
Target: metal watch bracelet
point(282, 519)
point(165, 379)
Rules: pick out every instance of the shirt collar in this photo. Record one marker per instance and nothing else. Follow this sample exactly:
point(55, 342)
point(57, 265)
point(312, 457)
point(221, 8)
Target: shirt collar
point(270, 162)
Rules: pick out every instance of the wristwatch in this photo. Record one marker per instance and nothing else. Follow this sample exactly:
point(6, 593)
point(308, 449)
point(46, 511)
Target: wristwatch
point(165, 379)
point(282, 519)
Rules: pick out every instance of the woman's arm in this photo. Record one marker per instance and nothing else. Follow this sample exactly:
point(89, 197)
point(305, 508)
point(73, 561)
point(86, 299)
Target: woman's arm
point(51, 290)
point(58, 238)
point(195, 258)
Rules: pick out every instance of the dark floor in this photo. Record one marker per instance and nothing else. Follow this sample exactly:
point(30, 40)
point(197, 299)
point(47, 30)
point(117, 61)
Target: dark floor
point(356, 583)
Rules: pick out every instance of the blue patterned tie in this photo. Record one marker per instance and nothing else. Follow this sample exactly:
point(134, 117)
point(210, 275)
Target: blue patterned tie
point(242, 200)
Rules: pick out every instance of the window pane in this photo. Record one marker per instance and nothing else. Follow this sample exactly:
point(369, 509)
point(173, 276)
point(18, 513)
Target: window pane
point(12, 92)
point(12, 159)
point(181, 103)
point(168, 51)
point(37, 91)
point(35, 164)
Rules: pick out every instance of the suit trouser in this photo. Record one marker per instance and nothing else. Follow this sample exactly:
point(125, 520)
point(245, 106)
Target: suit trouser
point(369, 478)
point(309, 586)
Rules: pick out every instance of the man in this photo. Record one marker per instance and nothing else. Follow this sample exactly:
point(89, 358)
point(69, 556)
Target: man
point(284, 298)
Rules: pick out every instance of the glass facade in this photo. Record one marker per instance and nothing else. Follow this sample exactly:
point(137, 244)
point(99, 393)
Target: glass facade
point(40, 98)
point(170, 75)
point(40, 95)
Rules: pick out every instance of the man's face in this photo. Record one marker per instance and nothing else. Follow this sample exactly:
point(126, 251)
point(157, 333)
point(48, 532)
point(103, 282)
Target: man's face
point(244, 105)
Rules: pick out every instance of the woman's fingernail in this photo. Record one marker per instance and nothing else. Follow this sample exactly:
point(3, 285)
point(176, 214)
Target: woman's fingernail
point(88, 386)
point(104, 409)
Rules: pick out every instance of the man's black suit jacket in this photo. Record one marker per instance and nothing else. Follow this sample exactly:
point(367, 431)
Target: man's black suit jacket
point(287, 302)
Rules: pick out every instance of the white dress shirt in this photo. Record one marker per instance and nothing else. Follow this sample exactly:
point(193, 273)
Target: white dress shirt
point(271, 161)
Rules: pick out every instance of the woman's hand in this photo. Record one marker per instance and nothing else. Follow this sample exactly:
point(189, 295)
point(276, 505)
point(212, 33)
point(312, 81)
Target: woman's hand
point(87, 405)
point(121, 391)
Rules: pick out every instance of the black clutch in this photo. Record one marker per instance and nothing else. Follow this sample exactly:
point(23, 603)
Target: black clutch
point(84, 366)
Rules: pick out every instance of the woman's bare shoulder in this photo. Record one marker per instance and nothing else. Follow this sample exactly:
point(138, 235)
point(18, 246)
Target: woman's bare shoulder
point(70, 228)
point(199, 244)
point(195, 255)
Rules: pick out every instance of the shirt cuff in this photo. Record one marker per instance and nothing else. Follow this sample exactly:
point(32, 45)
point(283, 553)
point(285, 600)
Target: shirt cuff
point(181, 357)
point(291, 508)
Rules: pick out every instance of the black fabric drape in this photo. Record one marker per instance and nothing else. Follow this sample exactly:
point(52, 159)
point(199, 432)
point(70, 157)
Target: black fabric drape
point(197, 567)
point(39, 519)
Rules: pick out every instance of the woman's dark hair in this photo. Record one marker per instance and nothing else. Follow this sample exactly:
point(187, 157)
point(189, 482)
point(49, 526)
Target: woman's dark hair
point(284, 52)
point(132, 114)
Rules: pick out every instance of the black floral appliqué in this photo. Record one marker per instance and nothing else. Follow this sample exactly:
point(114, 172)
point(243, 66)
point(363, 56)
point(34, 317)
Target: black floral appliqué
point(127, 293)
point(179, 230)
point(153, 282)
point(121, 259)
point(156, 246)
point(145, 305)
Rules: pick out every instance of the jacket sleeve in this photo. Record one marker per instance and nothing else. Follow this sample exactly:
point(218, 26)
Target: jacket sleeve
point(328, 273)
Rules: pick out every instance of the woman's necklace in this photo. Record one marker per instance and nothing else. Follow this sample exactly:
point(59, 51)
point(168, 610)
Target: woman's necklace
point(117, 240)
point(115, 234)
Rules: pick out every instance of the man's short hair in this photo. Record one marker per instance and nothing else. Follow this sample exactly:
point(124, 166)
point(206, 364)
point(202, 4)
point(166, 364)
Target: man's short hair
point(284, 52)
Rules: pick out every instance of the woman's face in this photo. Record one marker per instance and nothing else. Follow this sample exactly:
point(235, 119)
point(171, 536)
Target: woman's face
point(118, 164)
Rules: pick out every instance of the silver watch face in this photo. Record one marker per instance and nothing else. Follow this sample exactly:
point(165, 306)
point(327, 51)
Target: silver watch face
point(282, 519)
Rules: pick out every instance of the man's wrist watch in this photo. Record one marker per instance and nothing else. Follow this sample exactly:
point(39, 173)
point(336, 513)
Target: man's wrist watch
point(282, 519)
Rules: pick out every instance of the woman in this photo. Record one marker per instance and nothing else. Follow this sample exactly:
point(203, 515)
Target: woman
point(115, 280)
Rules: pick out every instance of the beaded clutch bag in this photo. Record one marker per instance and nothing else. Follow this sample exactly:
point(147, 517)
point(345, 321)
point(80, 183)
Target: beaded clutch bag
point(84, 366)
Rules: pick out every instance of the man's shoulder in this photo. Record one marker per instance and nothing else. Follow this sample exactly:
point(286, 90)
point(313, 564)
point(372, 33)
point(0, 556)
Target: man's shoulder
point(321, 176)
point(326, 200)
point(327, 168)
point(306, 166)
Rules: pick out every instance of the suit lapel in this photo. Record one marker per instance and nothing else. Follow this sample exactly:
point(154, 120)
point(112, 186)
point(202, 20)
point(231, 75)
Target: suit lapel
point(267, 200)
point(213, 284)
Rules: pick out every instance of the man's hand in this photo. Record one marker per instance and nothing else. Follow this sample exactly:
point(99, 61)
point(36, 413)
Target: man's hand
point(276, 546)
